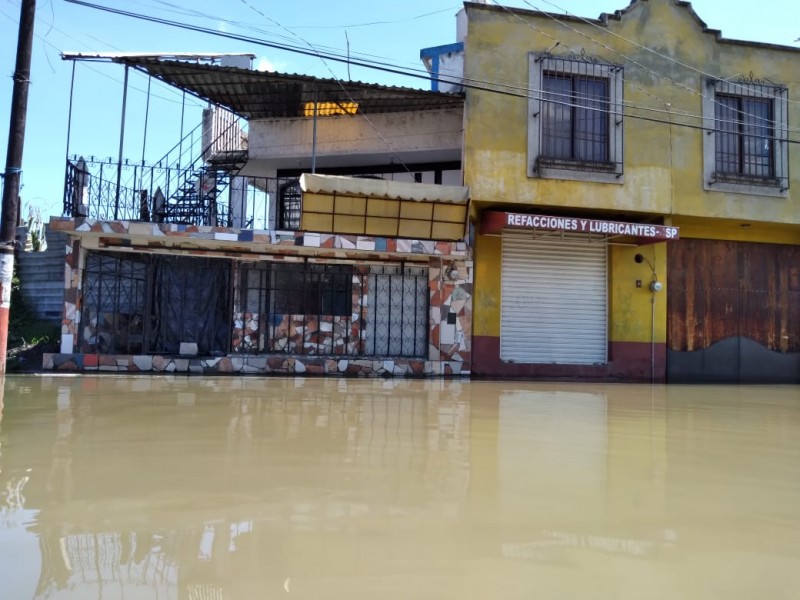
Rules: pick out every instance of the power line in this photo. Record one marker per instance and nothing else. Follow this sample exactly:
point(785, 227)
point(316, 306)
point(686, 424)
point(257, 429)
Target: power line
point(44, 40)
point(344, 89)
point(640, 46)
point(669, 112)
point(614, 51)
point(505, 89)
point(371, 23)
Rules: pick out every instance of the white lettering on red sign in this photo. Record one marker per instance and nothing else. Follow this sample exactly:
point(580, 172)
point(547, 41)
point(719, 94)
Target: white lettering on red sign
point(518, 220)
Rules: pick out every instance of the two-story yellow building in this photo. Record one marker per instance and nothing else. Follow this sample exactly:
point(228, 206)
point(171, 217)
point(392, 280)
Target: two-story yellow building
point(635, 196)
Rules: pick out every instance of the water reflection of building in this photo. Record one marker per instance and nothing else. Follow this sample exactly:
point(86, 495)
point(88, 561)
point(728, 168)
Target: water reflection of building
point(269, 475)
point(205, 488)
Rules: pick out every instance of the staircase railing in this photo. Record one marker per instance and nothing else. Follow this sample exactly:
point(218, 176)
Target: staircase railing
point(157, 191)
point(210, 171)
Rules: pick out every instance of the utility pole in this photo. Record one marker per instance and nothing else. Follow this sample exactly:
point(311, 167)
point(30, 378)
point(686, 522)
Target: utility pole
point(16, 141)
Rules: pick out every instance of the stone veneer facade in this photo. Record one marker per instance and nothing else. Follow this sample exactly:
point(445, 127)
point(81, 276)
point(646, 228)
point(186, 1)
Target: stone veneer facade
point(450, 302)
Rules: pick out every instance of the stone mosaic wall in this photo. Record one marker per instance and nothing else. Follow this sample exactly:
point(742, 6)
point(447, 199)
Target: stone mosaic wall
point(298, 239)
point(255, 365)
point(451, 310)
point(73, 281)
point(450, 286)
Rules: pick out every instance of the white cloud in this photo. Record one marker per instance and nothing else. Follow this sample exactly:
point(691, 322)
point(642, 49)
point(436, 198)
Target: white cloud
point(265, 64)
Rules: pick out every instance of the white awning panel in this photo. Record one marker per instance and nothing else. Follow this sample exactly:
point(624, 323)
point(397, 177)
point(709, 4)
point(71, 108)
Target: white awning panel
point(382, 188)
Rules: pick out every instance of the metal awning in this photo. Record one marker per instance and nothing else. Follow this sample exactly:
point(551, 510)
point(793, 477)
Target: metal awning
point(265, 95)
point(382, 188)
point(380, 208)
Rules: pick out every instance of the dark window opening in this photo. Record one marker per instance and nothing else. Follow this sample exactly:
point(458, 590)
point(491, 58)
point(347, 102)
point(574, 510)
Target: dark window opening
point(744, 137)
point(312, 290)
point(575, 118)
point(289, 200)
point(134, 304)
point(191, 303)
point(113, 313)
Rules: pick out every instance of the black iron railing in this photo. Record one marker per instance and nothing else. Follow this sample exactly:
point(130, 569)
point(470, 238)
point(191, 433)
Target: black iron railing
point(244, 202)
point(138, 304)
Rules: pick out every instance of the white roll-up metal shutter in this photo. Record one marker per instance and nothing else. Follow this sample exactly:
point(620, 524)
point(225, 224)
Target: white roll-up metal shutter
point(554, 299)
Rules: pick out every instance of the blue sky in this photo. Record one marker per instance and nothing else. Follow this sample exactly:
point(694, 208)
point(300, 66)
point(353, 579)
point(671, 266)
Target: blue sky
point(391, 31)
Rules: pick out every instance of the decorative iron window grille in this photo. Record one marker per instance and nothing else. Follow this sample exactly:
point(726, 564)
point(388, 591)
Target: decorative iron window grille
point(746, 141)
point(397, 311)
point(575, 123)
point(289, 200)
point(299, 308)
point(114, 297)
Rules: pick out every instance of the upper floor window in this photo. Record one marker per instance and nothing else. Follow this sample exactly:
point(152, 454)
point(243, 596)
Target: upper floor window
point(745, 141)
point(289, 205)
point(575, 120)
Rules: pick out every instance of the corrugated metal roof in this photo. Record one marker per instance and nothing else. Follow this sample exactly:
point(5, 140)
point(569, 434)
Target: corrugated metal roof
point(264, 95)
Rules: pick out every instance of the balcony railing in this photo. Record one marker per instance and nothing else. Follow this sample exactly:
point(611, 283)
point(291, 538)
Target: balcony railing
point(160, 194)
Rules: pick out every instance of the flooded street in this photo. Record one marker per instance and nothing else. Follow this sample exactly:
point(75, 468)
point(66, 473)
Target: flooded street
point(204, 488)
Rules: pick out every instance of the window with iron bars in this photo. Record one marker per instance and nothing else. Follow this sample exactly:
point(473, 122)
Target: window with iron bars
point(575, 120)
point(289, 205)
point(397, 311)
point(298, 308)
point(137, 304)
point(746, 138)
point(333, 309)
point(113, 308)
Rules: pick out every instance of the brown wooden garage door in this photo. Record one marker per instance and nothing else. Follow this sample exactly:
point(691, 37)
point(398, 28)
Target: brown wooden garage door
point(733, 312)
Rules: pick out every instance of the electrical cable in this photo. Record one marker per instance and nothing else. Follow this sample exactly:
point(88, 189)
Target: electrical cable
point(641, 46)
point(341, 85)
point(106, 75)
point(388, 69)
point(771, 122)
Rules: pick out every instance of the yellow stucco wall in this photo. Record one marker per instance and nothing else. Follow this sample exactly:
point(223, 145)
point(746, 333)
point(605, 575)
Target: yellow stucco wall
point(663, 161)
point(629, 307)
point(486, 291)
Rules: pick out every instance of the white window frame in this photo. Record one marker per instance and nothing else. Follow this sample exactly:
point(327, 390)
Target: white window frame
point(778, 186)
point(538, 64)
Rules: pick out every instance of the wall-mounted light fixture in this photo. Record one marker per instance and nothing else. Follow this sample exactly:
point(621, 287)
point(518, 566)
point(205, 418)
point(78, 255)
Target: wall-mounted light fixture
point(655, 284)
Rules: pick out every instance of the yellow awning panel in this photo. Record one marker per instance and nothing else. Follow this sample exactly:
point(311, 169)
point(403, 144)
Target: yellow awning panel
point(329, 109)
point(376, 207)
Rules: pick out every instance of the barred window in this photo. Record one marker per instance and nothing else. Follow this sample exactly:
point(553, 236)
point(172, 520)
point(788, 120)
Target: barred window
point(113, 311)
point(397, 311)
point(745, 145)
point(289, 204)
point(313, 290)
point(333, 309)
point(575, 120)
point(744, 136)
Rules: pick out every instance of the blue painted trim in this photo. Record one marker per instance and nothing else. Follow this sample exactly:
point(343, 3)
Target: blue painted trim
point(434, 54)
point(429, 52)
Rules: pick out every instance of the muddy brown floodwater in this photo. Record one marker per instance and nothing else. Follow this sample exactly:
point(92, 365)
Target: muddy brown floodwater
point(205, 488)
